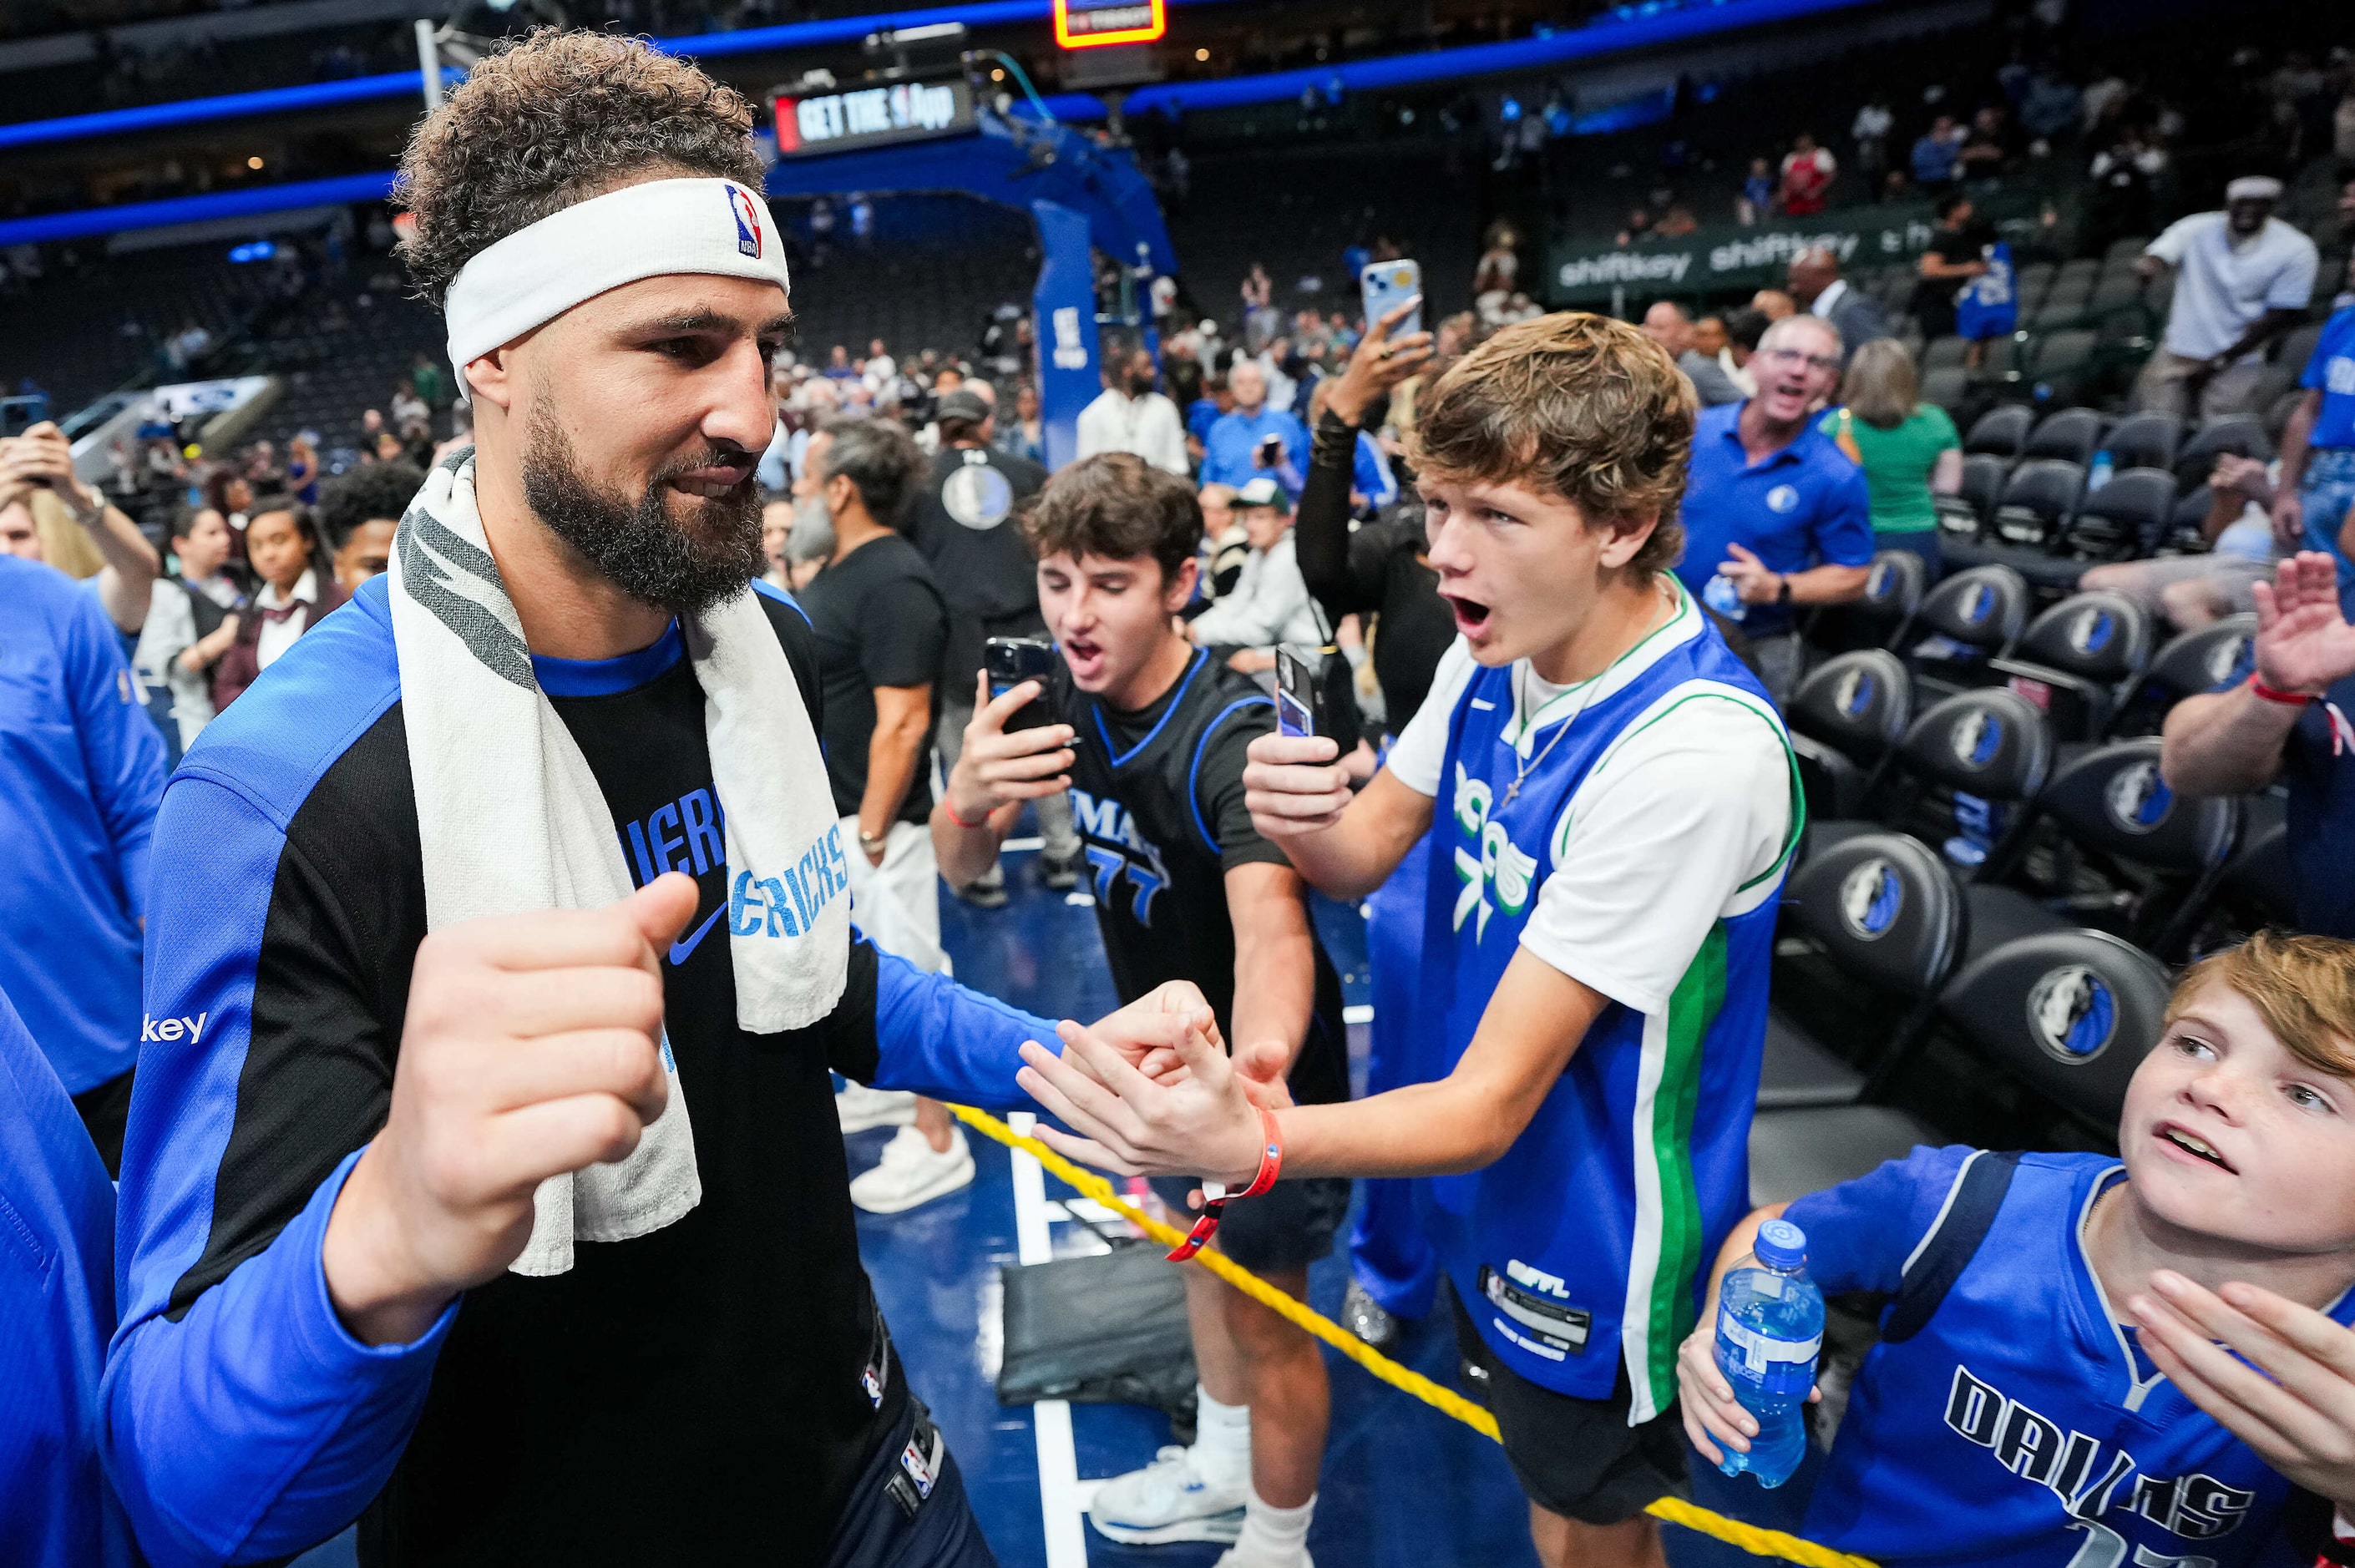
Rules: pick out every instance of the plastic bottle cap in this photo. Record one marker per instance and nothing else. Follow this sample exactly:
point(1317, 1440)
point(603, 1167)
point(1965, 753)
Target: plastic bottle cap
point(1781, 1244)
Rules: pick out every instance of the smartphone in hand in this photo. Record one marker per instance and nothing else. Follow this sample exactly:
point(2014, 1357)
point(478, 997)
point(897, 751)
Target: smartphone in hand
point(1010, 661)
point(1383, 287)
point(1295, 695)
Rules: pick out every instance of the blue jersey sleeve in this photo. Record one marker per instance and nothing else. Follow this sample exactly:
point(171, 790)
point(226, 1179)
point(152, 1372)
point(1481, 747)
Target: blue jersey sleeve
point(121, 749)
point(240, 1420)
point(942, 1041)
point(256, 1426)
point(1844, 528)
point(1861, 1233)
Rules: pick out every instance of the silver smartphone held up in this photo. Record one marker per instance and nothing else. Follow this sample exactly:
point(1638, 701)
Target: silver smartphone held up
point(1384, 287)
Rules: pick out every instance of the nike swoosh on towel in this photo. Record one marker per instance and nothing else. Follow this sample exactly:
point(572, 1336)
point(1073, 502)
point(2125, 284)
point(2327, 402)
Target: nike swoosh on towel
point(681, 951)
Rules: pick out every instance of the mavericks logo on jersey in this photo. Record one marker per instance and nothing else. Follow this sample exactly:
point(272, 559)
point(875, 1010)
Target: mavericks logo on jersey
point(1116, 849)
point(2090, 1478)
point(788, 905)
point(1492, 865)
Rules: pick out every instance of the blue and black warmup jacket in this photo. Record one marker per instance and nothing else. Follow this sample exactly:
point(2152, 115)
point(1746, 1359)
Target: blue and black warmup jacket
point(700, 1395)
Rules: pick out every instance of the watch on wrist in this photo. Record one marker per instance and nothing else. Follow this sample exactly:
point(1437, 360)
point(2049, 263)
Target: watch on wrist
point(82, 512)
point(873, 844)
point(1783, 589)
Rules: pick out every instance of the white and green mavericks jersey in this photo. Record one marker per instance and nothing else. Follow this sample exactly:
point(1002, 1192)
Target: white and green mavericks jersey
point(1641, 853)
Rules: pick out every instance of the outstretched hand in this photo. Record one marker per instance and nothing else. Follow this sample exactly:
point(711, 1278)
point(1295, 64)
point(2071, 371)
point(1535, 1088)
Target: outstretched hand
point(2303, 642)
point(1379, 364)
point(1147, 1031)
point(1200, 1122)
point(2279, 1376)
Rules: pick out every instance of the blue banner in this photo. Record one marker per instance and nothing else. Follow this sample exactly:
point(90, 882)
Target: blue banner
point(1065, 308)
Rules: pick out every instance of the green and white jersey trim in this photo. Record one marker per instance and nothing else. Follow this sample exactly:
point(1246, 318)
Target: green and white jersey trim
point(1666, 1251)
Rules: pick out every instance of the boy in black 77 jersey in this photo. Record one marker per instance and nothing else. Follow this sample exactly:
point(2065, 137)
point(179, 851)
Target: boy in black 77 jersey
point(1149, 734)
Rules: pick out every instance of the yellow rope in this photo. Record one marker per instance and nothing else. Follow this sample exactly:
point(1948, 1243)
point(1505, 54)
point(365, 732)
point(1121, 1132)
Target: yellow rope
point(1675, 1510)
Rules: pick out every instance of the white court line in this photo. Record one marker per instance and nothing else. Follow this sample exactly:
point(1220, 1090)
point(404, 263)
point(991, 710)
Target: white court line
point(1060, 1502)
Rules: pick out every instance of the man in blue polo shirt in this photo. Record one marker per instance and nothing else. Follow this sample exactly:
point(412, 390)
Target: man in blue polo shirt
point(2316, 495)
point(1237, 450)
point(2284, 715)
point(1775, 516)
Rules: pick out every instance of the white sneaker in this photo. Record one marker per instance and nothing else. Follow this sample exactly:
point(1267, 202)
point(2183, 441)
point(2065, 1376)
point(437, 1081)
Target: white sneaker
point(860, 1108)
point(913, 1172)
point(1168, 1500)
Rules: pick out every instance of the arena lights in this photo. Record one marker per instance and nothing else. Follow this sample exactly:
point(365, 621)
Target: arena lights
point(1090, 23)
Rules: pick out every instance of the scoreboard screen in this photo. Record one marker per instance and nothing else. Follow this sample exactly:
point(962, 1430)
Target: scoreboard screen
point(1092, 24)
point(859, 117)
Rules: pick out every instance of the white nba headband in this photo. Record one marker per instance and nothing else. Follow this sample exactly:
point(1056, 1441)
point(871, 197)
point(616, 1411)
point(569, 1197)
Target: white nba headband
point(649, 231)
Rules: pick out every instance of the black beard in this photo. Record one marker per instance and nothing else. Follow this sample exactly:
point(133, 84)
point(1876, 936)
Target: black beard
point(684, 568)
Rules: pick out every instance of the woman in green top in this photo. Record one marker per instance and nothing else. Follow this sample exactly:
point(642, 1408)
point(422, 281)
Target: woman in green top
point(1909, 449)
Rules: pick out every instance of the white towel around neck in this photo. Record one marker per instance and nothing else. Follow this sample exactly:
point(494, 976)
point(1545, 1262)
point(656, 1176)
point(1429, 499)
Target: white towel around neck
point(512, 819)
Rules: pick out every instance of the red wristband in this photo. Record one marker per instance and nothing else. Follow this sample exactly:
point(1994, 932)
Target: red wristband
point(960, 822)
point(1270, 1157)
point(1270, 1164)
point(2276, 694)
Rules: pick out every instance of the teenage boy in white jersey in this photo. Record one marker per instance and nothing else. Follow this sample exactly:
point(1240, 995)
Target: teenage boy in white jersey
point(1619, 807)
point(2134, 1359)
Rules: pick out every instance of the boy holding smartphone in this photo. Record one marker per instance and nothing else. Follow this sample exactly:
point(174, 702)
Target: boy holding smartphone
point(1149, 734)
point(1591, 1002)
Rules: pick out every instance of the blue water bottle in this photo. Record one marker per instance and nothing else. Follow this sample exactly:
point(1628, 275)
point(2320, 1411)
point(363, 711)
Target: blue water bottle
point(1720, 594)
point(1770, 1324)
point(2099, 475)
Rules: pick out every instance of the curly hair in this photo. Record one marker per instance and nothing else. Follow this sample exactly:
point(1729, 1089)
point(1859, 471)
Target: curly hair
point(555, 119)
point(366, 493)
point(1581, 406)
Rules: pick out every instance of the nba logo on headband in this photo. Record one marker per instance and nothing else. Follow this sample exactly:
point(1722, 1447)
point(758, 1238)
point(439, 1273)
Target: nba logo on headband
point(748, 223)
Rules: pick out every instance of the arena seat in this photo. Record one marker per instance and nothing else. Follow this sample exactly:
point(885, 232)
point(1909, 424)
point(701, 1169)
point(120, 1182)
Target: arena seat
point(2125, 851)
point(1888, 916)
point(2000, 432)
point(2196, 660)
point(2079, 660)
point(2064, 364)
point(2114, 294)
point(1845, 719)
point(1971, 616)
point(2070, 1015)
point(1892, 593)
point(1965, 514)
point(2239, 434)
point(2257, 888)
point(1948, 387)
point(2068, 433)
point(2039, 504)
point(2126, 517)
point(2296, 347)
point(1983, 750)
point(1945, 353)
